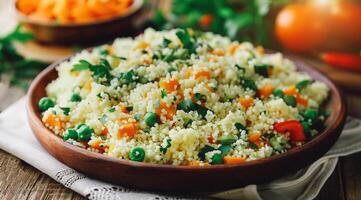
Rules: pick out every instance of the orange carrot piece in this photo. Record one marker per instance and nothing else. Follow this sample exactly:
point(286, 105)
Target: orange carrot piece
point(104, 131)
point(206, 20)
point(197, 163)
point(211, 139)
point(265, 91)
point(128, 129)
point(233, 160)
point(169, 86)
point(301, 101)
point(170, 110)
point(53, 121)
point(203, 74)
point(232, 49)
point(254, 137)
point(217, 52)
point(246, 102)
point(96, 144)
point(290, 90)
point(123, 108)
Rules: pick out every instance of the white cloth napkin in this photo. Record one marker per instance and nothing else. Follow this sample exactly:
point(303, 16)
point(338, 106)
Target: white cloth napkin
point(17, 139)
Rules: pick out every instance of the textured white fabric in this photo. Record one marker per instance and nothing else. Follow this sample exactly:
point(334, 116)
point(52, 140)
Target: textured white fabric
point(17, 139)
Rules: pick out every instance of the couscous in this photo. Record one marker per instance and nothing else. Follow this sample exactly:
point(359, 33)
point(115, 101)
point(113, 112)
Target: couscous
point(183, 97)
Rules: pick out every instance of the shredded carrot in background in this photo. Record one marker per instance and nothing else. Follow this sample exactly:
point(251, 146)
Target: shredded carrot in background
point(72, 11)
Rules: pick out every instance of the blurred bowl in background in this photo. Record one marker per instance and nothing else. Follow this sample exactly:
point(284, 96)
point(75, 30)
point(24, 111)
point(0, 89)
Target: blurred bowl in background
point(88, 33)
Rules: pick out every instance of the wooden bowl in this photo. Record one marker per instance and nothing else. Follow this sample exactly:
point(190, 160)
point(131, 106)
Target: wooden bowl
point(89, 33)
point(186, 179)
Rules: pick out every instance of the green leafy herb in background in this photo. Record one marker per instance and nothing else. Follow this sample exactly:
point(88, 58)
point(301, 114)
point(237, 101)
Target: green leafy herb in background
point(244, 20)
point(22, 70)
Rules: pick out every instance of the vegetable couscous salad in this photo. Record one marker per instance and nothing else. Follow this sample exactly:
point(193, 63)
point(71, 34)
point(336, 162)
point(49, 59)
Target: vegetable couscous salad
point(183, 97)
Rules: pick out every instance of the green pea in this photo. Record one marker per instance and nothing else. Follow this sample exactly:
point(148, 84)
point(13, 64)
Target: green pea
point(217, 158)
point(164, 149)
point(240, 127)
point(163, 93)
point(143, 80)
point(290, 100)
point(66, 110)
point(75, 97)
point(204, 150)
point(137, 116)
point(137, 154)
point(250, 84)
point(310, 114)
point(70, 134)
point(227, 139)
point(302, 84)
point(275, 144)
point(150, 119)
point(306, 128)
point(262, 69)
point(201, 110)
point(199, 97)
point(225, 149)
point(45, 103)
point(278, 93)
point(187, 105)
point(253, 145)
point(84, 132)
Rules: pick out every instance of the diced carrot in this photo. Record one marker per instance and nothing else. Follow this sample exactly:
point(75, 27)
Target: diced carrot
point(301, 101)
point(210, 139)
point(123, 108)
point(290, 90)
point(203, 74)
point(265, 91)
point(209, 88)
point(170, 110)
point(254, 137)
point(53, 121)
point(128, 129)
point(233, 160)
point(142, 45)
point(217, 52)
point(124, 119)
point(104, 131)
point(197, 163)
point(206, 20)
point(96, 144)
point(170, 85)
point(232, 48)
point(246, 102)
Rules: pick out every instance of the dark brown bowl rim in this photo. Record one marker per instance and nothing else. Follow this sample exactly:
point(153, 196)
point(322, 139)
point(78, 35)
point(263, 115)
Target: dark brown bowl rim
point(133, 8)
point(341, 116)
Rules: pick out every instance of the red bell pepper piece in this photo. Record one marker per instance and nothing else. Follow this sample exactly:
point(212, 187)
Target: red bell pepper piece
point(343, 60)
point(294, 127)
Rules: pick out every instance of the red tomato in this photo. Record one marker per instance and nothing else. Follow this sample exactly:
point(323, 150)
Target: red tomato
point(343, 22)
point(297, 28)
point(315, 25)
point(294, 127)
point(206, 20)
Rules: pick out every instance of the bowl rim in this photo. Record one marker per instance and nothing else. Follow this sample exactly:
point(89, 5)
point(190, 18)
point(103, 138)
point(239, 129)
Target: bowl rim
point(339, 119)
point(133, 8)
